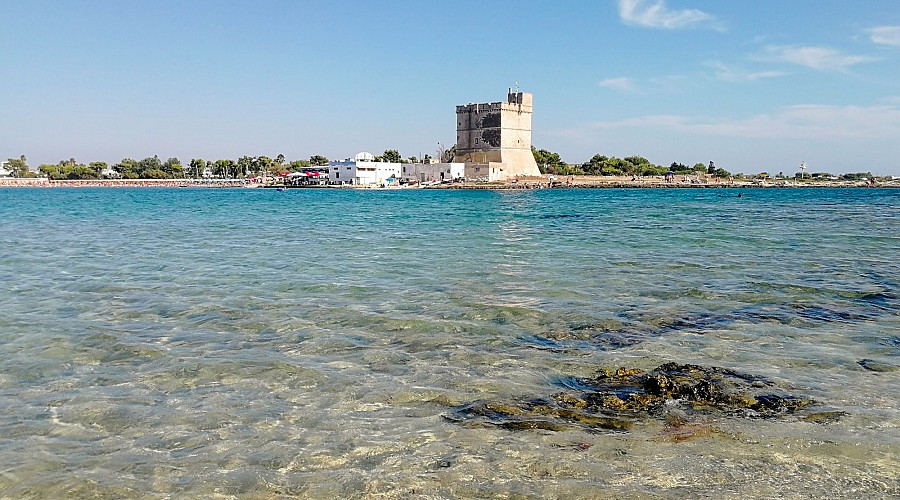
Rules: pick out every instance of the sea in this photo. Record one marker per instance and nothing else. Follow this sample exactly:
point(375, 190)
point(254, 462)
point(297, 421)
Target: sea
point(332, 343)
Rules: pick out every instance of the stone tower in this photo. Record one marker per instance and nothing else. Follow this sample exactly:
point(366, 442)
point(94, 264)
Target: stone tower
point(494, 139)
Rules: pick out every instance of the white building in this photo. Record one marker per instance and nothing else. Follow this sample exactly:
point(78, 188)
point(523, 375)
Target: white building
point(432, 172)
point(110, 173)
point(3, 171)
point(363, 170)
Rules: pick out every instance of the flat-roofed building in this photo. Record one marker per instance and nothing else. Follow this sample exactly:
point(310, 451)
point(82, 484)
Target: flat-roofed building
point(433, 172)
point(363, 170)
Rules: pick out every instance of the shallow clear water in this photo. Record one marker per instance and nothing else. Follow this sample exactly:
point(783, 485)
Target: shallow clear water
point(253, 343)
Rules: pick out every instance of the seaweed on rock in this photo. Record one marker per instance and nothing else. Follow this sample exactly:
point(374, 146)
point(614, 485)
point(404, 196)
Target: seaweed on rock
point(617, 399)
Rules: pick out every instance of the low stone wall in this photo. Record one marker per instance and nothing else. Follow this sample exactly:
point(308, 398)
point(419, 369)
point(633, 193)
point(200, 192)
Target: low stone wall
point(44, 182)
point(120, 183)
point(23, 181)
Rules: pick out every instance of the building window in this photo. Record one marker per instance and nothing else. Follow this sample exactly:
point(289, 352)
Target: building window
point(337, 175)
point(476, 140)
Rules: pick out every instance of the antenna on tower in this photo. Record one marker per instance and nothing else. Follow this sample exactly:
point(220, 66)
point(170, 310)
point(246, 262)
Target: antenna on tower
point(517, 87)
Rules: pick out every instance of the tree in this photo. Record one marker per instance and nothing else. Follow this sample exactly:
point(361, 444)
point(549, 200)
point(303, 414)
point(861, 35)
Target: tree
point(18, 167)
point(262, 165)
point(277, 166)
point(80, 172)
point(593, 166)
point(127, 168)
point(298, 164)
point(98, 167)
point(447, 155)
point(173, 169)
point(196, 167)
point(149, 163)
point(244, 166)
point(51, 171)
point(391, 156)
point(71, 169)
point(154, 173)
point(614, 166)
point(318, 160)
point(548, 162)
point(222, 168)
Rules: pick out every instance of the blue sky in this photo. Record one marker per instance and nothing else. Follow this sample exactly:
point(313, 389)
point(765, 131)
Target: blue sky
point(754, 86)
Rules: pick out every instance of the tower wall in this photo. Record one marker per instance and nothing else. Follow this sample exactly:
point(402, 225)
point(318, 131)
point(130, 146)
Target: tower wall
point(498, 132)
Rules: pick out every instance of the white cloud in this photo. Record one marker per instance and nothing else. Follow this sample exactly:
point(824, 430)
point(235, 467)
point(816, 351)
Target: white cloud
point(805, 121)
point(885, 35)
point(655, 14)
point(622, 84)
point(821, 58)
point(728, 73)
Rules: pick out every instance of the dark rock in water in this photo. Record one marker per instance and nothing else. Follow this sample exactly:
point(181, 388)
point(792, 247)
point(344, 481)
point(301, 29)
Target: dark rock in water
point(603, 336)
point(875, 366)
point(616, 400)
point(691, 387)
point(551, 415)
point(633, 326)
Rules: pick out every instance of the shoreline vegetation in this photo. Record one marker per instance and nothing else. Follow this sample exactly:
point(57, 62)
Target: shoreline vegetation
point(261, 171)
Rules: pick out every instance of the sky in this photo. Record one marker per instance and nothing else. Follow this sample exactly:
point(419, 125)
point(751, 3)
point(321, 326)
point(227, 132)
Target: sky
point(755, 86)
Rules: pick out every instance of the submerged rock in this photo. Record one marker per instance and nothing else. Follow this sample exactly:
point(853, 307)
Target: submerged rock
point(634, 327)
point(823, 417)
point(617, 399)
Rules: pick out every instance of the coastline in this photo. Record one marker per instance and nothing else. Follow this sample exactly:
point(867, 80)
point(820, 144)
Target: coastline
point(548, 182)
point(657, 182)
point(44, 182)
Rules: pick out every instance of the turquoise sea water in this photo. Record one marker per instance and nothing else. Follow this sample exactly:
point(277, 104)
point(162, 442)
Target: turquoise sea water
point(173, 343)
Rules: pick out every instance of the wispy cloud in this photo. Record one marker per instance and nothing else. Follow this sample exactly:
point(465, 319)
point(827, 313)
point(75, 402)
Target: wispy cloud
point(622, 84)
point(808, 121)
point(729, 73)
point(655, 14)
point(885, 35)
point(820, 58)
point(668, 84)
